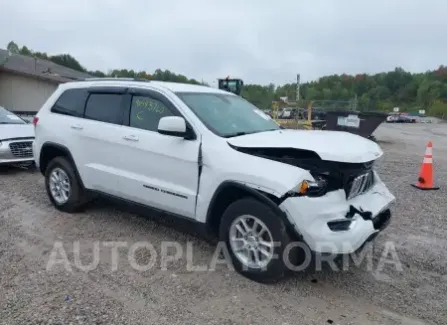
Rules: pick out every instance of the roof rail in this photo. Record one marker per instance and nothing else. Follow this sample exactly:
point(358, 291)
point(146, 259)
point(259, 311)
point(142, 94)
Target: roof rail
point(115, 79)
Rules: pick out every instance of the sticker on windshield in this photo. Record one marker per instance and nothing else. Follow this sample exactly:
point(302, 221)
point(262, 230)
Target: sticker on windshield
point(13, 117)
point(262, 114)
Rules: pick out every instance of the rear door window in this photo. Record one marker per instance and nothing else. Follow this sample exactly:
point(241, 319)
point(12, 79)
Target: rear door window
point(71, 102)
point(105, 108)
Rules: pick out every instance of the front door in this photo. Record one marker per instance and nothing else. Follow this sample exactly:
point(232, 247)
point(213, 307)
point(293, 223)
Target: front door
point(161, 171)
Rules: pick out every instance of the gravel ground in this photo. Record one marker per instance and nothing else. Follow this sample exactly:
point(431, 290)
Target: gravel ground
point(32, 293)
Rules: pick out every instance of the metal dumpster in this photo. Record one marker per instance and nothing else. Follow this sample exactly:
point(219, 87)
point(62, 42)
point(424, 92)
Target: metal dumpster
point(360, 123)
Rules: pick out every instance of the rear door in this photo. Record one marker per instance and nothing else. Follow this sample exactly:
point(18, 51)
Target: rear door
point(100, 135)
point(160, 171)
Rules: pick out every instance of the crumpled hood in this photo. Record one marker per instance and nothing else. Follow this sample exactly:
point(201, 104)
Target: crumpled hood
point(9, 131)
point(329, 145)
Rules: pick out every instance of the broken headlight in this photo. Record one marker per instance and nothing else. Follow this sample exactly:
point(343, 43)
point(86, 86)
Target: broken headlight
point(317, 187)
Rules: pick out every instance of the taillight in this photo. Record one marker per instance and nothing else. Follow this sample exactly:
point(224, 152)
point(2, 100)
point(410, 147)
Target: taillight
point(35, 120)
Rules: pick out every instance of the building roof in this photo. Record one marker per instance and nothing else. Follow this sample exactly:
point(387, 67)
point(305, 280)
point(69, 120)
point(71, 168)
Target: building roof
point(42, 69)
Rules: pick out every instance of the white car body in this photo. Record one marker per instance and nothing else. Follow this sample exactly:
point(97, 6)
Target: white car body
point(182, 176)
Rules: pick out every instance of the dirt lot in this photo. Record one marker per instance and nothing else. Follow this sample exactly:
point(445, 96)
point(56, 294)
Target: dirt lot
point(31, 294)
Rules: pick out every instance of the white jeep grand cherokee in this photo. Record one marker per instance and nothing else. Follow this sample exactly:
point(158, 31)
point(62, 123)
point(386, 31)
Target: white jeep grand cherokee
point(215, 159)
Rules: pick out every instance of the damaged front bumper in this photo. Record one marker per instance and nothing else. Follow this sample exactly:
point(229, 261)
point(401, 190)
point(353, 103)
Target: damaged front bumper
point(333, 224)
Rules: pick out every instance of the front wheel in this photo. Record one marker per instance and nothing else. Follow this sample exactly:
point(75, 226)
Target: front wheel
point(256, 238)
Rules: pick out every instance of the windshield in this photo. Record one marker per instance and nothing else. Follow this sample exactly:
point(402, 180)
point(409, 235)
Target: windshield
point(6, 117)
point(228, 115)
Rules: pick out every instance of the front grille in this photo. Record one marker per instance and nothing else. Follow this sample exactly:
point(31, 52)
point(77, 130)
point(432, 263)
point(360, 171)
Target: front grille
point(22, 149)
point(360, 184)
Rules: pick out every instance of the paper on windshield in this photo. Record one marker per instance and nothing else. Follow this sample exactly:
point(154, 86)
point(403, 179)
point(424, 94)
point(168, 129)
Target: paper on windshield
point(262, 114)
point(13, 117)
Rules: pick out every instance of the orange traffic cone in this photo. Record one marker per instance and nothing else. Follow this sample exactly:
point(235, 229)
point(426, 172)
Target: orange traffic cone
point(425, 180)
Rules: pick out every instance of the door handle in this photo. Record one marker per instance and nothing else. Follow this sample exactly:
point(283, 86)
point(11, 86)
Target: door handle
point(77, 126)
point(130, 137)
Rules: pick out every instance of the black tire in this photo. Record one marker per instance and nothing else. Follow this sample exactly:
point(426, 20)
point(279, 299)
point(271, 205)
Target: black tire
point(77, 198)
point(276, 268)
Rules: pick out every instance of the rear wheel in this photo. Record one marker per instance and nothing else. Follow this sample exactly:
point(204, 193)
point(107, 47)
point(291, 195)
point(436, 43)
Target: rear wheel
point(63, 186)
point(256, 239)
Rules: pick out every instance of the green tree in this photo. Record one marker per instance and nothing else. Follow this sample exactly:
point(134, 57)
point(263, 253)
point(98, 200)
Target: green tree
point(327, 93)
point(381, 91)
point(13, 48)
point(25, 51)
point(438, 108)
point(312, 93)
point(428, 92)
point(68, 61)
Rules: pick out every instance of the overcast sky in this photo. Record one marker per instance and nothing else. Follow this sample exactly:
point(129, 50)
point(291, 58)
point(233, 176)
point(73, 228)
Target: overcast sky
point(261, 41)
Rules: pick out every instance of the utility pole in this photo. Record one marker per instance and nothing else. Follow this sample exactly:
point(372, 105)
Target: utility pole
point(297, 88)
point(355, 102)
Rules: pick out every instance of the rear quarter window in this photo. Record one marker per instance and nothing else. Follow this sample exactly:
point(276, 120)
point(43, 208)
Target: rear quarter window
point(71, 102)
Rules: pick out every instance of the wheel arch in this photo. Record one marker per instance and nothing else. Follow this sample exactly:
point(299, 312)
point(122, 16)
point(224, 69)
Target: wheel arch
point(51, 150)
point(230, 191)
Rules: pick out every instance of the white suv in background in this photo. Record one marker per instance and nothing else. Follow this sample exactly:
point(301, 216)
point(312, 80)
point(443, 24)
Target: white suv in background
point(213, 158)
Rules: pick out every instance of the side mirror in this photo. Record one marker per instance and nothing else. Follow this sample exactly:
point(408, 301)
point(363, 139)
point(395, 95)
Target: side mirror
point(172, 125)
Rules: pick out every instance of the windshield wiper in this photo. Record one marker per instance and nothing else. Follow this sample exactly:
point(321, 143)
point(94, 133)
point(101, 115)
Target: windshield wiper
point(236, 134)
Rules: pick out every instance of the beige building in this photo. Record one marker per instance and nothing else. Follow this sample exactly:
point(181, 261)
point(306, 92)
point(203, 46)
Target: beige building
point(27, 82)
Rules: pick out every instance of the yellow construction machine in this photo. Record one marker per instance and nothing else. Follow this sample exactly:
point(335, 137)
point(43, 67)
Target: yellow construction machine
point(298, 120)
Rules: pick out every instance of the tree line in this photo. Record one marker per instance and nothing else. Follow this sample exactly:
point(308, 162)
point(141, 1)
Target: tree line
point(381, 91)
